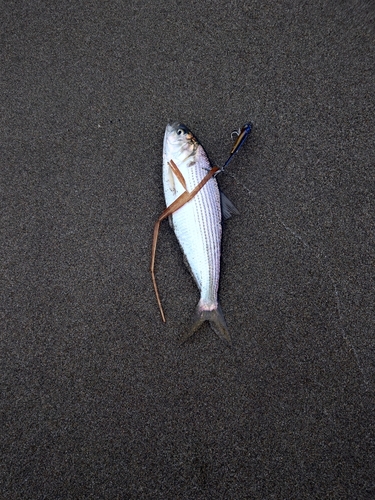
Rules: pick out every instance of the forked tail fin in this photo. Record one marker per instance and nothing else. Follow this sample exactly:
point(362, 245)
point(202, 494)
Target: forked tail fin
point(217, 323)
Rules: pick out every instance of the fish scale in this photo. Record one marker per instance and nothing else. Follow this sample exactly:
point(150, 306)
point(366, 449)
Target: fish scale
point(198, 228)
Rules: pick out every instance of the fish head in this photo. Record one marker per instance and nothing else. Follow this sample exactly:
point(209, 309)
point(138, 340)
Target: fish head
point(178, 140)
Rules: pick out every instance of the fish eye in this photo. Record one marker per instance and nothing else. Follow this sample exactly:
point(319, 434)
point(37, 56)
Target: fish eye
point(180, 131)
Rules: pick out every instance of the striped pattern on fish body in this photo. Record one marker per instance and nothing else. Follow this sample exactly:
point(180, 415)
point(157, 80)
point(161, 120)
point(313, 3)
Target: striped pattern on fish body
point(197, 224)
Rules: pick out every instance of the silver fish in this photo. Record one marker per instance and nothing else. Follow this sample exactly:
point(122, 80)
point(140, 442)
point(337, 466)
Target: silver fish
point(197, 224)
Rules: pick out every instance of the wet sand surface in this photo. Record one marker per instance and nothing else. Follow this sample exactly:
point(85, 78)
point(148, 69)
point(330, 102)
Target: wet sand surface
point(98, 399)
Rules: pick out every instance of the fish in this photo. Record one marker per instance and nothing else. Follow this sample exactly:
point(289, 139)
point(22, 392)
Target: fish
point(198, 223)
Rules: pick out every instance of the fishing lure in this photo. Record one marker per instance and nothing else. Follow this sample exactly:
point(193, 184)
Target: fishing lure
point(242, 136)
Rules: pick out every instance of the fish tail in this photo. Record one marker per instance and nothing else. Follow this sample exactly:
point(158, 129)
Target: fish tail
point(216, 320)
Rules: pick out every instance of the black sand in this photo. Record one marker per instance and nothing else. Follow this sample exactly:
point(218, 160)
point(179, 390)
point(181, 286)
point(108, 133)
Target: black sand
point(98, 400)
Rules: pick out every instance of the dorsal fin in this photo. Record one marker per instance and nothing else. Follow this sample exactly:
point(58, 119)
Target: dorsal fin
point(227, 207)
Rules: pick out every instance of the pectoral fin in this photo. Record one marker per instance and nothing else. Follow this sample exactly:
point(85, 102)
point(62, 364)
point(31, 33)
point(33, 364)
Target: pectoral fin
point(172, 186)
